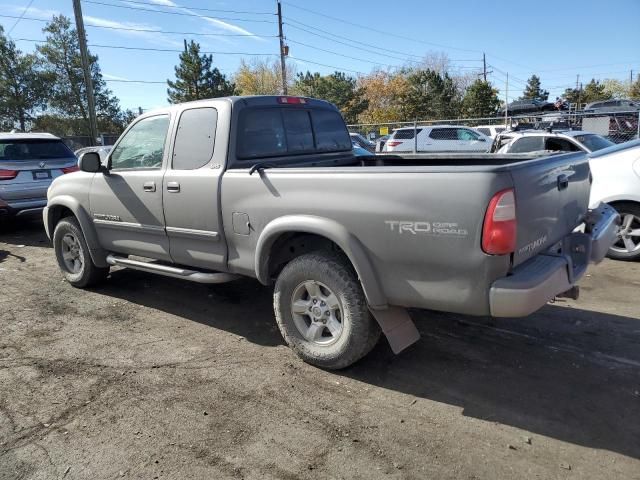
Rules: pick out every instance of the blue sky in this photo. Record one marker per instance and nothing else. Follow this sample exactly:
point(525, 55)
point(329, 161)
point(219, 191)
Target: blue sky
point(556, 40)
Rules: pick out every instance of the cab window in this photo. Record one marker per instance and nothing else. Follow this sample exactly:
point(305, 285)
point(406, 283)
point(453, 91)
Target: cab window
point(143, 145)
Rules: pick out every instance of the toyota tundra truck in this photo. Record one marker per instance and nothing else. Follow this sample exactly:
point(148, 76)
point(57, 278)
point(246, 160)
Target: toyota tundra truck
point(268, 187)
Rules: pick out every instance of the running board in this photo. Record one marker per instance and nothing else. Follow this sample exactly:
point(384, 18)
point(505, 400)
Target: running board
point(175, 272)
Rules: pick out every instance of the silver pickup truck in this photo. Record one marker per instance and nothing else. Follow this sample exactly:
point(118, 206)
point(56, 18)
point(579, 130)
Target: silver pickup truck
point(268, 187)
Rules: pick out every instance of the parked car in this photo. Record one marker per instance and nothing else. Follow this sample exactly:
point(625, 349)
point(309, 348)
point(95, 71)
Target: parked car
point(525, 106)
point(102, 151)
point(380, 142)
point(491, 130)
point(362, 142)
point(557, 141)
point(268, 187)
point(28, 164)
point(358, 151)
point(616, 181)
point(437, 138)
point(606, 106)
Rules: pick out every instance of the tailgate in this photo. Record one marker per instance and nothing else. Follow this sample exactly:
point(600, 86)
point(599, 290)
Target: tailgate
point(552, 197)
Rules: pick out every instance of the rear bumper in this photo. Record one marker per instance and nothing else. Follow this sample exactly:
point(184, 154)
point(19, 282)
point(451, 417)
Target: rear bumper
point(20, 208)
point(547, 275)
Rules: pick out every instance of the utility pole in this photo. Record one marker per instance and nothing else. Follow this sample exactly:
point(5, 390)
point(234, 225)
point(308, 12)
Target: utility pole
point(506, 102)
point(88, 83)
point(484, 67)
point(284, 50)
point(631, 77)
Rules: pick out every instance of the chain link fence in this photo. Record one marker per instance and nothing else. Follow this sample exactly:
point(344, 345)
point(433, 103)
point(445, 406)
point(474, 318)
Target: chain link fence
point(477, 134)
point(77, 142)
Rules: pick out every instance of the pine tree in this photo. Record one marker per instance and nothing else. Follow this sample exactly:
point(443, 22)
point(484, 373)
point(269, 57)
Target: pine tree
point(480, 100)
point(533, 91)
point(196, 79)
point(67, 96)
point(22, 88)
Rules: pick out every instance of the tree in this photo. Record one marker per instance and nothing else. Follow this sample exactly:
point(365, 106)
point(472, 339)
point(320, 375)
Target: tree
point(337, 88)
point(22, 89)
point(533, 91)
point(593, 92)
point(480, 100)
point(383, 91)
point(430, 95)
point(634, 90)
point(60, 59)
point(615, 88)
point(261, 77)
point(196, 79)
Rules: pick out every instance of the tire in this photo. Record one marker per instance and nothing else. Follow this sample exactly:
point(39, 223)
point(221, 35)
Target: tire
point(349, 332)
point(627, 247)
point(72, 254)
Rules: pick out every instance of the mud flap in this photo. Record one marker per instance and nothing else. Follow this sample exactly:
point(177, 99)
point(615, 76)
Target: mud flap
point(397, 326)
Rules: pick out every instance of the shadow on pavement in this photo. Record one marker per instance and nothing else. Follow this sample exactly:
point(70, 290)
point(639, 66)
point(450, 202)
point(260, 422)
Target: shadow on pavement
point(565, 373)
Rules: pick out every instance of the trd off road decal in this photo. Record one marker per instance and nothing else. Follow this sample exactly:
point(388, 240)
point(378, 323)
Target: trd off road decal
point(402, 227)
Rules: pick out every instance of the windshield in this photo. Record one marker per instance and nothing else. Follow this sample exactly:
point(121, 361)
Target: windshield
point(594, 142)
point(21, 149)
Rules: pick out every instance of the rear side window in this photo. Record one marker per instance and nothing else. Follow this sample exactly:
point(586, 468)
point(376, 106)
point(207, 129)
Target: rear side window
point(270, 132)
point(444, 134)
point(330, 130)
point(527, 144)
point(405, 134)
point(195, 138)
point(33, 149)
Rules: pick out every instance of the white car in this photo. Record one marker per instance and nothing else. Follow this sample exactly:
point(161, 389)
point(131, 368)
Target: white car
point(491, 130)
point(616, 181)
point(437, 138)
point(526, 141)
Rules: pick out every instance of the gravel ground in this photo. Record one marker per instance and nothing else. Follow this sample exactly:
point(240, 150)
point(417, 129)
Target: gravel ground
point(149, 377)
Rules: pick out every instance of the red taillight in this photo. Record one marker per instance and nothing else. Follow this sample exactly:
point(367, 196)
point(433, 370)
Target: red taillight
point(499, 229)
point(393, 143)
point(292, 100)
point(8, 174)
point(75, 168)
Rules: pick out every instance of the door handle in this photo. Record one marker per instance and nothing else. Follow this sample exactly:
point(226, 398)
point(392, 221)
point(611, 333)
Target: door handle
point(149, 186)
point(173, 187)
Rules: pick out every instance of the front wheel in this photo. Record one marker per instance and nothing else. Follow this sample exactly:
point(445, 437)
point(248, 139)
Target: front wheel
point(72, 254)
point(322, 312)
point(627, 246)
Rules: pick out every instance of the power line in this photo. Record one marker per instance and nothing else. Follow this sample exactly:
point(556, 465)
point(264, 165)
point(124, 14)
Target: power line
point(201, 9)
point(328, 66)
point(144, 30)
point(368, 27)
point(122, 80)
point(336, 53)
point(184, 14)
point(20, 18)
point(149, 49)
point(344, 38)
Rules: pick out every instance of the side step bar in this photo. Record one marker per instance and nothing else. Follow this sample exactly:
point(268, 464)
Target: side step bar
point(175, 272)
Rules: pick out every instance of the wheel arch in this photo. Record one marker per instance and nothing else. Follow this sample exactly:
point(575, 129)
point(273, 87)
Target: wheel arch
point(284, 228)
point(63, 206)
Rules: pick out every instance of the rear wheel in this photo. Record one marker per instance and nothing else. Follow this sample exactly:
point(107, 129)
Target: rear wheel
point(72, 254)
point(322, 312)
point(627, 246)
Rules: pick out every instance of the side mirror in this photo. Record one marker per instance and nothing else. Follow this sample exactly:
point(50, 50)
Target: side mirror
point(482, 139)
point(90, 162)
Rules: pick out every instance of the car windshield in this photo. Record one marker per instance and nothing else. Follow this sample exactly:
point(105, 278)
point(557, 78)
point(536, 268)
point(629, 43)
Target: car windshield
point(29, 149)
point(594, 142)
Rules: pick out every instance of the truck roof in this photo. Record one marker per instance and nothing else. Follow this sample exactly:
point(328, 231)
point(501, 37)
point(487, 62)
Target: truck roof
point(250, 101)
